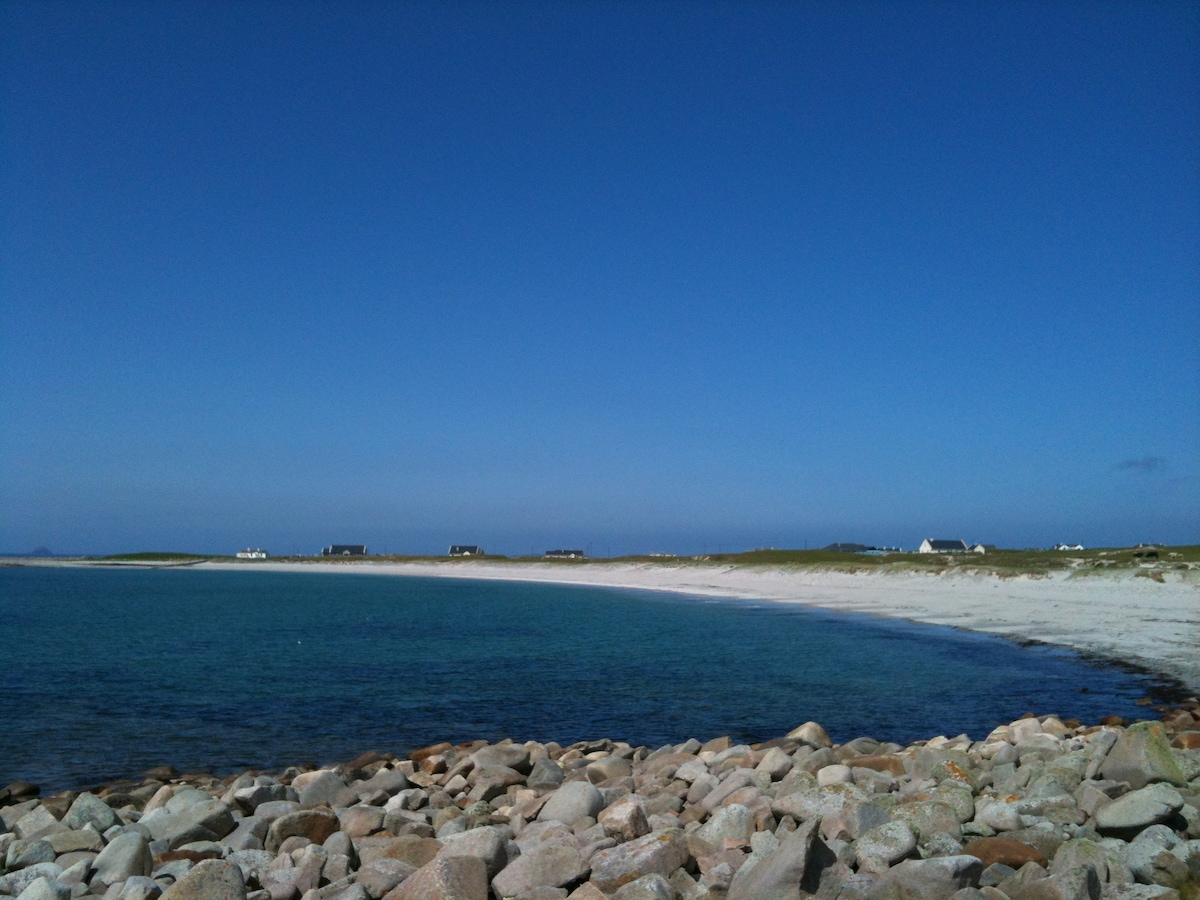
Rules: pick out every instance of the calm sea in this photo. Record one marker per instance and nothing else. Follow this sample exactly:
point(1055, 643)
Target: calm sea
point(107, 672)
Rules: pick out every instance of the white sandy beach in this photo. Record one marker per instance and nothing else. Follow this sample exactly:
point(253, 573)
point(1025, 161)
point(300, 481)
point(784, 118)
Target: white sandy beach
point(1115, 614)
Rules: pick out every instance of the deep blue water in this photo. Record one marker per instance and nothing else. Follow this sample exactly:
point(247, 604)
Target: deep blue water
point(107, 672)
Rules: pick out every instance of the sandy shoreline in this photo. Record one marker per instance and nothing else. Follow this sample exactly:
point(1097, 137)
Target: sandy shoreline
point(1116, 615)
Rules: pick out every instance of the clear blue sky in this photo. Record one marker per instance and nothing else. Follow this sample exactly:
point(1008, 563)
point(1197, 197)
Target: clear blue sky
point(622, 276)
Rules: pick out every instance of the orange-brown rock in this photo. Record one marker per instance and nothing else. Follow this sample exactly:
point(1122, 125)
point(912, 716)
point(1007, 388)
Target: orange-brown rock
point(1187, 740)
point(418, 755)
point(1005, 851)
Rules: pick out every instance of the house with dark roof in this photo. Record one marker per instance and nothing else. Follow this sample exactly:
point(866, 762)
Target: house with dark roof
point(932, 545)
point(465, 550)
point(563, 554)
point(345, 550)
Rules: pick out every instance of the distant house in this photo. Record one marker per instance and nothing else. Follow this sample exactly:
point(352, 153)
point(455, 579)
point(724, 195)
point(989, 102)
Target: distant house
point(983, 548)
point(848, 548)
point(1068, 546)
point(930, 545)
point(345, 550)
point(252, 554)
point(466, 550)
point(563, 554)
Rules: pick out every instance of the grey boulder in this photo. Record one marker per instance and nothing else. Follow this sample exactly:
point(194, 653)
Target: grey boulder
point(212, 879)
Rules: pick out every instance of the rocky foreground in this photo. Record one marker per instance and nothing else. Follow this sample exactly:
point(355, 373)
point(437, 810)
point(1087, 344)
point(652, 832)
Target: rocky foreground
point(1038, 810)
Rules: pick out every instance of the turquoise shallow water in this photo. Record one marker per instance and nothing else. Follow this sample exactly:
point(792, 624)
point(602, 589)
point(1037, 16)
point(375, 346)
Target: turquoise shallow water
point(106, 672)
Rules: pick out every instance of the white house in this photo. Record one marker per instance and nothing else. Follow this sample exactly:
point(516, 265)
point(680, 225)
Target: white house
point(930, 545)
point(1068, 546)
point(252, 554)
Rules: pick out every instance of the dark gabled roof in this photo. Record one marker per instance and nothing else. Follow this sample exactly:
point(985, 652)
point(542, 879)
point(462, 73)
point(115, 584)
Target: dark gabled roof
point(946, 545)
point(464, 549)
point(571, 553)
point(345, 550)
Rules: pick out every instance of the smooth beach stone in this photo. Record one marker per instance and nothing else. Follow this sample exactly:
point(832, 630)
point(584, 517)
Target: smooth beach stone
point(775, 763)
point(213, 879)
point(76, 873)
point(45, 889)
point(445, 878)
point(509, 756)
point(409, 848)
point(314, 825)
point(546, 773)
point(126, 855)
point(859, 818)
point(889, 842)
point(139, 887)
point(69, 860)
point(1142, 755)
point(573, 801)
point(927, 818)
point(489, 843)
point(812, 734)
point(929, 879)
point(1139, 809)
point(72, 841)
point(625, 819)
point(248, 835)
point(732, 822)
point(88, 809)
point(271, 810)
point(553, 862)
point(185, 797)
point(661, 851)
point(834, 774)
point(997, 814)
point(493, 782)
point(206, 820)
point(253, 863)
point(250, 798)
point(1078, 853)
point(689, 771)
point(648, 887)
point(359, 821)
point(15, 882)
point(778, 874)
point(730, 783)
point(1077, 884)
point(381, 875)
point(319, 787)
point(1150, 863)
point(36, 823)
point(604, 769)
point(27, 852)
